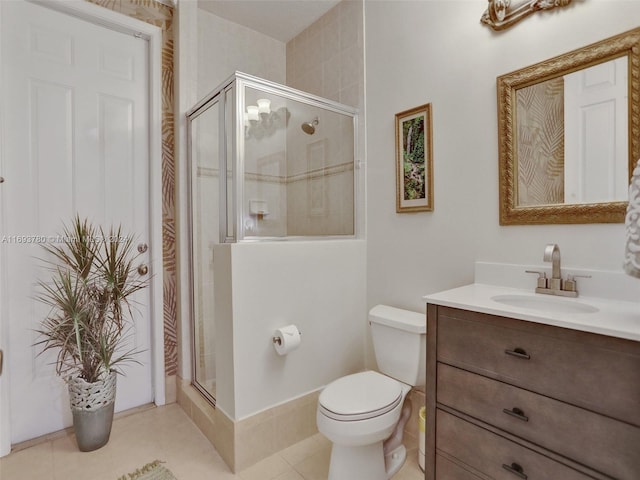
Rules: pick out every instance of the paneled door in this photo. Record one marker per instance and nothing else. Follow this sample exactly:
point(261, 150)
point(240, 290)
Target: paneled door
point(75, 140)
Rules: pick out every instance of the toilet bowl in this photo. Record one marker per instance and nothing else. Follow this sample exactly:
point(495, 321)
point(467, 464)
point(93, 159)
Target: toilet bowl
point(358, 413)
point(364, 414)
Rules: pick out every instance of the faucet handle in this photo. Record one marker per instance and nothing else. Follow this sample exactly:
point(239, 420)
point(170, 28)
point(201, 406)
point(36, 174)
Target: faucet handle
point(570, 283)
point(542, 278)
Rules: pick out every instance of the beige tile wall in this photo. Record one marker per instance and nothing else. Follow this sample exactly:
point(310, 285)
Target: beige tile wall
point(266, 433)
point(327, 59)
point(224, 47)
point(245, 442)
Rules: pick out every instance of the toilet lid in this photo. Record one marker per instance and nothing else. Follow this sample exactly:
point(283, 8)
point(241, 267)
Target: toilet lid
point(360, 396)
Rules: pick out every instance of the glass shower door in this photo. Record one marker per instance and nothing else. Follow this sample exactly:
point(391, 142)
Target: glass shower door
point(205, 233)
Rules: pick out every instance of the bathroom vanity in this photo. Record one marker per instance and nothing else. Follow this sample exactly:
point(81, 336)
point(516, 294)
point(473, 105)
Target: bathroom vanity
point(520, 387)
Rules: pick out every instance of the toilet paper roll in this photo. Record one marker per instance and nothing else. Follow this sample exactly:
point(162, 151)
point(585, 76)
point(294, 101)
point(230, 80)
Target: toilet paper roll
point(286, 339)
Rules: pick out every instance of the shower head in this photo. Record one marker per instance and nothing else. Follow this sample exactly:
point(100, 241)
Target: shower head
point(310, 127)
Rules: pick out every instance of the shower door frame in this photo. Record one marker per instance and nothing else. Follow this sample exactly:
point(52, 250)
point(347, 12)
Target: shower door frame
point(217, 97)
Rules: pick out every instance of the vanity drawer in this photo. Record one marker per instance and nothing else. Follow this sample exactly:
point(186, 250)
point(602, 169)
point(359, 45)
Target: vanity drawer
point(600, 442)
point(449, 470)
point(575, 367)
point(493, 455)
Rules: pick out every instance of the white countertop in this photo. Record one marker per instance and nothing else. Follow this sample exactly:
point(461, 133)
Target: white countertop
point(616, 318)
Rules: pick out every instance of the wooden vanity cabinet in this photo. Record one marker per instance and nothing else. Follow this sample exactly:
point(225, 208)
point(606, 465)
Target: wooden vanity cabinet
point(511, 399)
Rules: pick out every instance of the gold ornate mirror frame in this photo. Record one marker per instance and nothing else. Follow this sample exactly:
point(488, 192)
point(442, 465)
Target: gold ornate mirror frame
point(626, 44)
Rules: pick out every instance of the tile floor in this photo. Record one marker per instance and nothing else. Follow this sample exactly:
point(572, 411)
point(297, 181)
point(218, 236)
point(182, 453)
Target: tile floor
point(167, 434)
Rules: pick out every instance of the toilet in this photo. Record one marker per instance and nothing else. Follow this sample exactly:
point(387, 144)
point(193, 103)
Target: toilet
point(364, 414)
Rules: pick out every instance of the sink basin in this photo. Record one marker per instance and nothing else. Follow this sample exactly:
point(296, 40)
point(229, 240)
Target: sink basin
point(545, 304)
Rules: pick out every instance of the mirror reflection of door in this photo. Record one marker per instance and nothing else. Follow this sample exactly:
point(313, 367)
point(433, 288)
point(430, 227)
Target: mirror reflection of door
point(572, 132)
point(596, 126)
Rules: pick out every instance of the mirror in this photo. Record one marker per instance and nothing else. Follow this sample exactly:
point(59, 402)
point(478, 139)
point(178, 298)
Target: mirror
point(569, 135)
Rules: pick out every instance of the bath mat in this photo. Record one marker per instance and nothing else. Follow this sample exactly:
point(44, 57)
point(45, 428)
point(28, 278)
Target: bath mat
point(151, 471)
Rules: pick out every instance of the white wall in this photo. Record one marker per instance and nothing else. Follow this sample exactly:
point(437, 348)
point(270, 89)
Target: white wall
point(318, 286)
point(438, 52)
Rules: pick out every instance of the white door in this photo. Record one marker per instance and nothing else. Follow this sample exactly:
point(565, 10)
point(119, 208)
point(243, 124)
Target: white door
point(75, 140)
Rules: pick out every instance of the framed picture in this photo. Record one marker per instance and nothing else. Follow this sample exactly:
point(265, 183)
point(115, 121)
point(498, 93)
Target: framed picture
point(414, 160)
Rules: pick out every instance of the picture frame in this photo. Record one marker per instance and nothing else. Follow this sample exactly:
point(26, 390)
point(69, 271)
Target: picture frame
point(414, 160)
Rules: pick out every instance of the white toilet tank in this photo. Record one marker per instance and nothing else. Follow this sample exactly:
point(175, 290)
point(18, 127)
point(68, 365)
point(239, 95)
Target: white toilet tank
point(400, 343)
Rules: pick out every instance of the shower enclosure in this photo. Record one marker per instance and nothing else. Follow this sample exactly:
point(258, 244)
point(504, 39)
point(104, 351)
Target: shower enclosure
point(266, 162)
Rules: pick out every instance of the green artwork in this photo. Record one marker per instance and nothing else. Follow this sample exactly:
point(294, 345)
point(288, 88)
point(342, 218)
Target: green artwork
point(413, 136)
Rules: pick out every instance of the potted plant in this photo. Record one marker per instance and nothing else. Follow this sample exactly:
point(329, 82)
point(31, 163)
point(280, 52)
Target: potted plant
point(90, 295)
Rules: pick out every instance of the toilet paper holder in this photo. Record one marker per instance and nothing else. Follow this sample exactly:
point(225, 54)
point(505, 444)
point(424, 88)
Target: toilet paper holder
point(278, 340)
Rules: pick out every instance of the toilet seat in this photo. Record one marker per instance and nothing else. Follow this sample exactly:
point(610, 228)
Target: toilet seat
point(360, 396)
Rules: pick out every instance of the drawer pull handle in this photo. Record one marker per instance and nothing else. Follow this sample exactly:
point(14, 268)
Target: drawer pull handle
point(517, 413)
point(518, 352)
point(516, 469)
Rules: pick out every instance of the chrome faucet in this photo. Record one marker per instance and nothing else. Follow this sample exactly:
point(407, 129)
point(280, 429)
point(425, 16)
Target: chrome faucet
point(552, 254)
point(556, 285)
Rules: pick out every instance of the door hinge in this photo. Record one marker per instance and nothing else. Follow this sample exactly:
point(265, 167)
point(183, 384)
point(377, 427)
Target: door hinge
point(0, 362)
